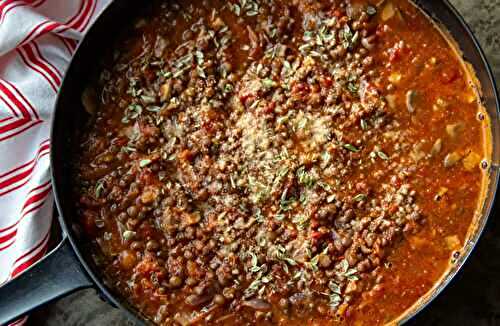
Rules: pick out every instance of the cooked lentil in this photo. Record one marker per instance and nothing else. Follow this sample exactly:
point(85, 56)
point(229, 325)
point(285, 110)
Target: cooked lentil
point(279, 162)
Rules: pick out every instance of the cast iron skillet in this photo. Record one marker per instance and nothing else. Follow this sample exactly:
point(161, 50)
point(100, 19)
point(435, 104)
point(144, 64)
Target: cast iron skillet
point(70, 267)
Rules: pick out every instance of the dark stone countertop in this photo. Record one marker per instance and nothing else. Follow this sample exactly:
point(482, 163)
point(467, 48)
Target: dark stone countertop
point(473, 298)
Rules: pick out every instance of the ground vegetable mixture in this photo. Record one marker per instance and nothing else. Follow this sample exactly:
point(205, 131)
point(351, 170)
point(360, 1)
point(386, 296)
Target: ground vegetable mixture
point(279, 162)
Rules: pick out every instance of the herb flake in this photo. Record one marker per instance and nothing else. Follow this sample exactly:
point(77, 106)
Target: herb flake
point(351, 148)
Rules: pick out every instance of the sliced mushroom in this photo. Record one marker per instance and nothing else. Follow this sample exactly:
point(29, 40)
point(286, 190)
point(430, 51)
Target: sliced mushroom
point(182, 319)
point(453, 130)
point(411, 97)
point(160, 46)
point(218, 23)
point(197, 300)
point(254, 39)
point(367, 42)
point(471, 161)
point(148, 98)
point(149, 196)
point(452, 242)
point(395, 77)
point(258, 304)
point(354, 10)
point(166, 91)
point(417, 154)
point(191, 218)
point(140, 23)
point(351, 287)
point(441, 192)
point(391, 101)
point(436, 148)
point(128, 235)
point(440, 104)
point(388, 11)
point(451, 159)
point(89, 100)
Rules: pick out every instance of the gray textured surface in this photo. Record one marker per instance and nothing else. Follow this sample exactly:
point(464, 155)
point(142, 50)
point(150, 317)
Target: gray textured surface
point(473, 298)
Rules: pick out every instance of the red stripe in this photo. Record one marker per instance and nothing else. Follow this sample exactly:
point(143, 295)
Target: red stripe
point(84, 15)
point(31, 125)
point(39, 187)
point(20, 322)
point(42, 62)
point(87, 20)
point(15, 188)
point(33, 259)
point(22, 166)
point(33, 30)
point(19, 269)
point(4, 5)
point(39, 61)
point(13, 125)
point(54, 68)
point(75, 17)
point(64, 42)
point(19, 4)
point(6, 119)
point(18, 168)
point(4, 14)
point(22, 184)
point(35, 198)
point(15, 178)
point(9, 227)
point(14, 100)
point(7, 245)
point(43, 146)
point(37, 4)
point(21, 95)
point(34, 248)
point(35, 68)
point(34, 208)
point(9, 236)
point(37, 32)
point(74, 22)
point(11, 108)
point(72, 43)
point(37, 156)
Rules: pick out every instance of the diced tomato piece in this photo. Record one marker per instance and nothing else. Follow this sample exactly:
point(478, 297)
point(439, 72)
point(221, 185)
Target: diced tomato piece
point(393, 209)
point(449, 76)
point(317, 235)
point(185, 155)
point(88, 222)
point(327, 81)
point(337, 13)
point(147, 177)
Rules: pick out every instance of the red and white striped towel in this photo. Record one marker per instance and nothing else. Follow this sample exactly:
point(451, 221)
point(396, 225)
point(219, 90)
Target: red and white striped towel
point(37, 40)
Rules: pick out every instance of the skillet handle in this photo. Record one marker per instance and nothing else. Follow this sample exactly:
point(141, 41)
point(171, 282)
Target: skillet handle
point(56, 275)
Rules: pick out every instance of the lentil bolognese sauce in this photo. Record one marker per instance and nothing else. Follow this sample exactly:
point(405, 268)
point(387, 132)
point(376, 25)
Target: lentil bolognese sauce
point(279, 162)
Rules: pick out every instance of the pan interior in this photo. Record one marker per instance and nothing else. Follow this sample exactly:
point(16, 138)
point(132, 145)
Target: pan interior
point(70, 115)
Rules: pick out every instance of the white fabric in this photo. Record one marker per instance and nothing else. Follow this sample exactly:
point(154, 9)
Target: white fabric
point(37, 39)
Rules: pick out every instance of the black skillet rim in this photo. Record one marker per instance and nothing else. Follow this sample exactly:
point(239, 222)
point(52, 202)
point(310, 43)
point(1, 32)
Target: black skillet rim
point(135, 315)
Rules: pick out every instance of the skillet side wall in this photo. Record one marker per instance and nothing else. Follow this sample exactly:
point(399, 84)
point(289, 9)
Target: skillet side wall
point(69, 117)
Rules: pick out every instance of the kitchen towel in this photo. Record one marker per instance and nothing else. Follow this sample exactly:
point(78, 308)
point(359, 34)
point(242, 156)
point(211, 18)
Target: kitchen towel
point(37, 40)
